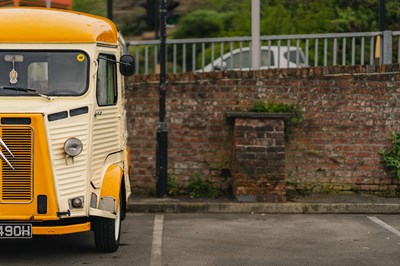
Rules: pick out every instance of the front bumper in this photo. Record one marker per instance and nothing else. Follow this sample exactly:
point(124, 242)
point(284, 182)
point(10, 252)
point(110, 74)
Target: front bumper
point(61, 230)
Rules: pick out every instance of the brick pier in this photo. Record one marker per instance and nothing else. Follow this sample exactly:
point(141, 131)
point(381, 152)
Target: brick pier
point(259, 156)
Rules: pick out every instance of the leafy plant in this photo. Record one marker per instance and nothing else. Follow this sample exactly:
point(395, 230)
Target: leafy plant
point(271, 107)
point(391, 157)
point(199, 187)
point(173, 186)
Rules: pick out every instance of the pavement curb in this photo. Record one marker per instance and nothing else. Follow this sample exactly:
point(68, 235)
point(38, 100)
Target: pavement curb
point(267, 208)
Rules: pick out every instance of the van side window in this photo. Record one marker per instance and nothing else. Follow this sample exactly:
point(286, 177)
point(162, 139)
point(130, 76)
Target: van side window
point(106, 90)
point(267, 58)
point(239, 60)
point(292, 56)
point(243, 60)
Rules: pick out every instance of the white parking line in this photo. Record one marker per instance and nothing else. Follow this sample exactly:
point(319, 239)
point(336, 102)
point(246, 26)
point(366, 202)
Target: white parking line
point(155, 259)
point(385, 225)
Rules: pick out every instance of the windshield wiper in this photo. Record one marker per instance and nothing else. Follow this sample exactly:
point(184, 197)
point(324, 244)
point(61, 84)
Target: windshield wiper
point(30, 91)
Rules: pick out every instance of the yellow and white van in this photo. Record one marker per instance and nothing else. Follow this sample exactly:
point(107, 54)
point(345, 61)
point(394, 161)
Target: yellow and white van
point(64, 163)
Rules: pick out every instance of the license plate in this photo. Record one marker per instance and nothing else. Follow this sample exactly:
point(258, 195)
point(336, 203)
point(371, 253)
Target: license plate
point(15, 231)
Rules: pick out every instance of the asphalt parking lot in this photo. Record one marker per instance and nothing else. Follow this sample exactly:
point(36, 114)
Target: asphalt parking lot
point(225, 239)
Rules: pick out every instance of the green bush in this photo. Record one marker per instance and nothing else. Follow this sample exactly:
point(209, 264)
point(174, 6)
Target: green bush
point(391, 157)
point(173, 186)
point(271, 107)
point(95, 7)
point(200, 24)
point(198, 187)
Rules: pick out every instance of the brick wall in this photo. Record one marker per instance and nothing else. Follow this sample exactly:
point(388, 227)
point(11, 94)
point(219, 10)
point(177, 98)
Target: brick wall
point(348, 115)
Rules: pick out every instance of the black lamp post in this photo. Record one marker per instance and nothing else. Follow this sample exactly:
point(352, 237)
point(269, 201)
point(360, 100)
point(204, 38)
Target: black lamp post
point(110, 9)
point(382, 15)
point(162, 131)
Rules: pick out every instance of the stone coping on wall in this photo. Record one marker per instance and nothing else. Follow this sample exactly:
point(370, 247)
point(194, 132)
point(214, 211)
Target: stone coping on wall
point(324, 72)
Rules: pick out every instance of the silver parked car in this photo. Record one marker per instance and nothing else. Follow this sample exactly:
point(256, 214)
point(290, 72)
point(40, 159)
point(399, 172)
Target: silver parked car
point(271, 57)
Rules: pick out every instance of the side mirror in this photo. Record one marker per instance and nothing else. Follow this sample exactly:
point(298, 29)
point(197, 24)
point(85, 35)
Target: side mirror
point(127, 65)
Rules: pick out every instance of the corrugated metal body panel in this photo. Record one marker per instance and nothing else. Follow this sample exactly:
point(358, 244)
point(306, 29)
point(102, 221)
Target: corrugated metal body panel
point(70, 176)
point(106, 140)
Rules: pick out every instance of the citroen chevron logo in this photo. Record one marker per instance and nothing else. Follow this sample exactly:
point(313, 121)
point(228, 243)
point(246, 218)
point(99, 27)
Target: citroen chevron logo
point(2, 156)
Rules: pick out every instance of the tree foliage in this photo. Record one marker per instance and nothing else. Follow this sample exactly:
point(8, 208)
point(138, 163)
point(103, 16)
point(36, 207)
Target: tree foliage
point(224, 18)
point(129, 23)
point(233, 18)
point(95, 7)
point(203, 23)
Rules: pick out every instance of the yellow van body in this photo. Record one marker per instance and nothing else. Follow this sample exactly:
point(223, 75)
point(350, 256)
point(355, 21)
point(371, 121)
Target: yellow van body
point(63, 137)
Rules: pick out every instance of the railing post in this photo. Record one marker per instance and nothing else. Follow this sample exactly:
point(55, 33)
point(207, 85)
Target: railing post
point(255, 35)
point(387, 47)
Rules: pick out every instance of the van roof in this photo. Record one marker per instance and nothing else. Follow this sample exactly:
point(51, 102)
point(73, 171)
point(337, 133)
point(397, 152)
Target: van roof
point(43, 25)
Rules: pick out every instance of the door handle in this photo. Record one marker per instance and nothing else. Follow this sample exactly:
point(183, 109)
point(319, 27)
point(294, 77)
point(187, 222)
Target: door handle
point(97, 113)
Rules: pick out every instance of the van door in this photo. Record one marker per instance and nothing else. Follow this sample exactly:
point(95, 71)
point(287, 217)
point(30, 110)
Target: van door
point(107, 118)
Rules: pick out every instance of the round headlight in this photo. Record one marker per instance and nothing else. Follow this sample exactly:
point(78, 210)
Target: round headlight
point(73, 147)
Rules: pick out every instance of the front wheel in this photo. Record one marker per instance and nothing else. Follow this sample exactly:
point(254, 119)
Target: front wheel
point(107, 231)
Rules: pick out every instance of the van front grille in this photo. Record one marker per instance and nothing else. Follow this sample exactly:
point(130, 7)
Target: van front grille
point(17, 183)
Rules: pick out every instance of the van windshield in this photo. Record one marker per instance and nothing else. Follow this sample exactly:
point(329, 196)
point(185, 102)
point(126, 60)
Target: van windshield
point(52, 73)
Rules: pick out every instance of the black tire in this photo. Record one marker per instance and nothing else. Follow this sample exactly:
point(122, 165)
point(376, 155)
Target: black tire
point(107, 232)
